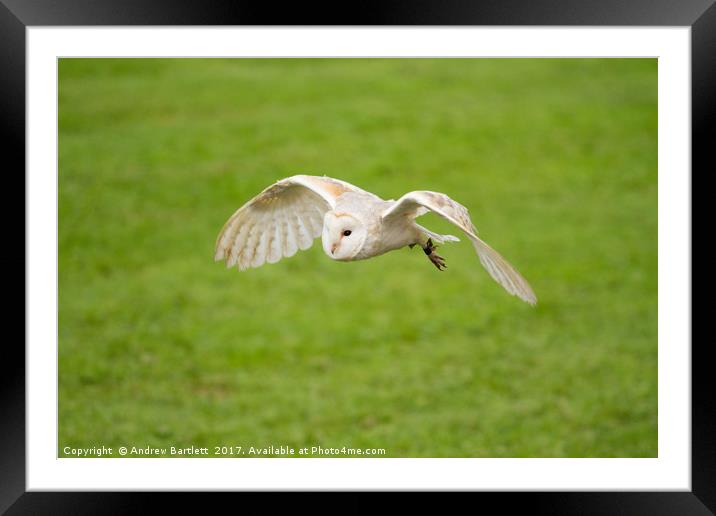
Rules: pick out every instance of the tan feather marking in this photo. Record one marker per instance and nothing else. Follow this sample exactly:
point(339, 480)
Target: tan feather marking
point(239, 242)
point(327, 185)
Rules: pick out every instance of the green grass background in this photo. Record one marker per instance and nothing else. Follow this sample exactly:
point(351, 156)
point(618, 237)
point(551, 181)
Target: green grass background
point(556, 160)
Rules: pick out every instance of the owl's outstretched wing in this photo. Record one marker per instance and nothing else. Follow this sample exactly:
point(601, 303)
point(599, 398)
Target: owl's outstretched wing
point(285, 217)
point(414, 204)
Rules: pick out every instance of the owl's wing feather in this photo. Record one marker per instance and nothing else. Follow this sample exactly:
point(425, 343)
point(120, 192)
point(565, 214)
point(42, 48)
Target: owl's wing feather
point(285, 217)
point(414, 204)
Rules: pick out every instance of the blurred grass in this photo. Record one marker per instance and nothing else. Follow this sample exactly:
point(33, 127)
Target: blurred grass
point(556, 159)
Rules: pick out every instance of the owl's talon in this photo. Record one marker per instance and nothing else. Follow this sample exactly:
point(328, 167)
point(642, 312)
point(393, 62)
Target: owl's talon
point(436, 259)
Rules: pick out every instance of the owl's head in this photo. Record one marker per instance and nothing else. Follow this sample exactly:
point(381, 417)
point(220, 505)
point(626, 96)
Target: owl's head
point(343, 235)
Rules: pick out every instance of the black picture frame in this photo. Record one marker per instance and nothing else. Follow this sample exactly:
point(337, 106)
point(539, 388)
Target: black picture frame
point(17, 15)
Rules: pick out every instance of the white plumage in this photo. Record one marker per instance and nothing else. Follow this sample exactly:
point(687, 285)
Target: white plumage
point(353, 225)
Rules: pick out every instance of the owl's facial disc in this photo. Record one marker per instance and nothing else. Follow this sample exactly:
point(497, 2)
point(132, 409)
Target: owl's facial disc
point(343, 236)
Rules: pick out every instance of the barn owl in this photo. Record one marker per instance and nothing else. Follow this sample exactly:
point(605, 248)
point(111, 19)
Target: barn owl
point(353, 225)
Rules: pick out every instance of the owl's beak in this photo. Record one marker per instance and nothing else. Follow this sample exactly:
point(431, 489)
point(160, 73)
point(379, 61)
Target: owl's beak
point(333, 248)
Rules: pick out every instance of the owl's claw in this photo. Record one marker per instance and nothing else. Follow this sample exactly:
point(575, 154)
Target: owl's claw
point(436, 259)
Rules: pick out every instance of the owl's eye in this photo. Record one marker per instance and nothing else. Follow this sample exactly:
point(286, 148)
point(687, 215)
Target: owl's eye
point(347, 232)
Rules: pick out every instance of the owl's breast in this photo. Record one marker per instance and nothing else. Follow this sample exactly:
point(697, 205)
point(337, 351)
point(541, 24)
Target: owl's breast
point(383, 238)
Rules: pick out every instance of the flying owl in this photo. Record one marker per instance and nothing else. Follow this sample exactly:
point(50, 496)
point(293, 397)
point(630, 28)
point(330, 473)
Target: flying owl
point(353, 225)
